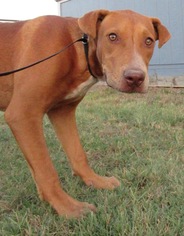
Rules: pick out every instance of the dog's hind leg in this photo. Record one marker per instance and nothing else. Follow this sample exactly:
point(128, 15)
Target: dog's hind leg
point(63, 119)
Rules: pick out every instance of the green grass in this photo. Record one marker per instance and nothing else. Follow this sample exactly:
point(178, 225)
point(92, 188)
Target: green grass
point(137, 138)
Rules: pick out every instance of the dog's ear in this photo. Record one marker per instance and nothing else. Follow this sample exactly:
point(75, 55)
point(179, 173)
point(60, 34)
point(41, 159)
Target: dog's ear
point(90, 22)
point(162, 32)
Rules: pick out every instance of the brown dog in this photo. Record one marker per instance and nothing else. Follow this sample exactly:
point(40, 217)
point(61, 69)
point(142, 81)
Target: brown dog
point(121, 44)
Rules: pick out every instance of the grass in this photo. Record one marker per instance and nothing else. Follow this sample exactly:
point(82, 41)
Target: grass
point(137, 138)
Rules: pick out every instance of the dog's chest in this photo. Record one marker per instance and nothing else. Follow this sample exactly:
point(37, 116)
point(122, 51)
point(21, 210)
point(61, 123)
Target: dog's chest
point(81, 90)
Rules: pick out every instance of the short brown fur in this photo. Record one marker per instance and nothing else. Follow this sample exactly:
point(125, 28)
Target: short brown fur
point(56, 87)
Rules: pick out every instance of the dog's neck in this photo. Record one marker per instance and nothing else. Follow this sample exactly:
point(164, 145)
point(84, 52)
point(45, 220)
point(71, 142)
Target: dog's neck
point(93, 60)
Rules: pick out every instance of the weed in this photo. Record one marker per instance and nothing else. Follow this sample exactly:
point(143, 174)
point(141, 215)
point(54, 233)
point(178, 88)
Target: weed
point(139, 138)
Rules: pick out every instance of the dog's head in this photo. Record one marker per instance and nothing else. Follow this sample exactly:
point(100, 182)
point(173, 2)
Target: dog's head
point(125, 42)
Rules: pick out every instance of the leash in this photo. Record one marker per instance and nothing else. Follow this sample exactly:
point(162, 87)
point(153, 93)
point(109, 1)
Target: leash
point(84, 40)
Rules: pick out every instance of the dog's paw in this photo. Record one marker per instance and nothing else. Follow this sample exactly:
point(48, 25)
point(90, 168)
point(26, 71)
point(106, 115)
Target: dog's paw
point(74, 209)
point(78, 210)
point(67, 206)
point(101, 182)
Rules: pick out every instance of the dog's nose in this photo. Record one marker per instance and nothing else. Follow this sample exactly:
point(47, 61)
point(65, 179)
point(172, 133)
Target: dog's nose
point(134, 77)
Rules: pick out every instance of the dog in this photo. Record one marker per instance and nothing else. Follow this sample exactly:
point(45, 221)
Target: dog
point(121, 44)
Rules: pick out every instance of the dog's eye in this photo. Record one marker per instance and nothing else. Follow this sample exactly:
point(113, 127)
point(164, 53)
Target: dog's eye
point(149, 41)
point(113, 36)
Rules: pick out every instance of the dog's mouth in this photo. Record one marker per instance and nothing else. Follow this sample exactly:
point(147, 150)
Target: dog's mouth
point(132, 81)
point(126, 90)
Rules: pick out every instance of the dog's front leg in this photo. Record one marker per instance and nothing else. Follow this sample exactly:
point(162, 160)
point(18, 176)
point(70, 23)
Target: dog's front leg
point(26, 125)
point(64, 121)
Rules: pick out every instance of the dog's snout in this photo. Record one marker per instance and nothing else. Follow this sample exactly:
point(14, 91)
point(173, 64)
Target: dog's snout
point(134, 77)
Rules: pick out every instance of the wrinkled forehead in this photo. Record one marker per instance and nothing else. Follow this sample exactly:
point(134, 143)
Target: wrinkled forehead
point(121, 21)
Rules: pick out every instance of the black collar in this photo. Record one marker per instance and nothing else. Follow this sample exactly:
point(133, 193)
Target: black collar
point(85, 41)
